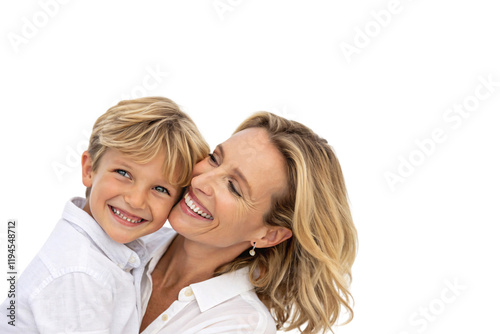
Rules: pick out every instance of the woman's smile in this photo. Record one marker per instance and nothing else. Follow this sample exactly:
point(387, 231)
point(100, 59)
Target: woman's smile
point(194, 208)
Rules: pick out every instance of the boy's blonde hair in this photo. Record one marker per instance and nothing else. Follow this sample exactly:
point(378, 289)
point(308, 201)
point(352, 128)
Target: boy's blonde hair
point(144, 127)
point(304, 281)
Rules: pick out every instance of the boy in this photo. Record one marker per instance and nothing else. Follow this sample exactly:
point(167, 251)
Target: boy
point(141, 153)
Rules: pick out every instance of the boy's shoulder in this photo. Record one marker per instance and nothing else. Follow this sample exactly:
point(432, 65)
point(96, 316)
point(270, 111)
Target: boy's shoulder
point(69, 250)
point(161, 234)
point(66, 251)
point(65, 255)
point(71, 244)
point(159, 239)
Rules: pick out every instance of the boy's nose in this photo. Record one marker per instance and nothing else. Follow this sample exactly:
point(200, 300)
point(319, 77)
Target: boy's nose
point(136, 198)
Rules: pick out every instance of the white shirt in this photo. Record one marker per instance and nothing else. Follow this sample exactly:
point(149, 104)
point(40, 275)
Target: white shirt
point(223, 304)
point(79, 282)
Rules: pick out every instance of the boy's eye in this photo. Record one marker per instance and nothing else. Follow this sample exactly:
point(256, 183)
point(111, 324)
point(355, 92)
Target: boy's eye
point(162, 190)
point(122, 173)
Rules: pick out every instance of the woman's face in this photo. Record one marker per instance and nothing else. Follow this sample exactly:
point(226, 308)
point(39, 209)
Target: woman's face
point(230, 192)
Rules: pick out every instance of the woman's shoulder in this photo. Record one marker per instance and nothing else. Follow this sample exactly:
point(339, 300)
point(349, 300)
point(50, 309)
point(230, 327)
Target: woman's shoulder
point(242, 314)
point(251, 311)
point(231, 302)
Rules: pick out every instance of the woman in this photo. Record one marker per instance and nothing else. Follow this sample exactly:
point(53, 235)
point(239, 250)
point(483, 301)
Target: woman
point(263, 239)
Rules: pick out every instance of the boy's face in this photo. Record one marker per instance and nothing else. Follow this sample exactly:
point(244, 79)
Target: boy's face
point(128, 199)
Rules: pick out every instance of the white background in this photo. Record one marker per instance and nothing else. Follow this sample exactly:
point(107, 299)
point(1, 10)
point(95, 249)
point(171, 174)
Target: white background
point(436, 229)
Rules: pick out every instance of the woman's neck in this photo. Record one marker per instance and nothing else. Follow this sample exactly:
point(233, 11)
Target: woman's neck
point(186, 262)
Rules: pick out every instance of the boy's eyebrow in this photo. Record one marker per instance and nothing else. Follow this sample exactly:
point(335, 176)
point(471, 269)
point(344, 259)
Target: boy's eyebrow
point(236, 170)
point(130, 168)
point(123, 163)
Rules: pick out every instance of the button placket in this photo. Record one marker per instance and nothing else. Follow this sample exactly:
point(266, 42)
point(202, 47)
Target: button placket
point(186, 294)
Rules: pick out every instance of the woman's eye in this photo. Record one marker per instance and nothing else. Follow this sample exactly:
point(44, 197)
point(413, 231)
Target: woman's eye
point(161, 189)
point(212, 158)
point(232, 188)
point(230, 184)
point(123, 173)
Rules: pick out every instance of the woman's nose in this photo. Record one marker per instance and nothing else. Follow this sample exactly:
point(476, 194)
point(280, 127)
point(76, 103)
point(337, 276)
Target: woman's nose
point(203, 183)
point(204, 177)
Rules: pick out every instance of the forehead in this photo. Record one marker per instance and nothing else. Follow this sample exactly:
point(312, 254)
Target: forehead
point(261, 163)
point(115, 155)
point(157, 166)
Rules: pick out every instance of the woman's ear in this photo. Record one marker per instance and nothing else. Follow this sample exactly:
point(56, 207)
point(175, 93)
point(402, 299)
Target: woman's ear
point(86, 169)
point(275, 235)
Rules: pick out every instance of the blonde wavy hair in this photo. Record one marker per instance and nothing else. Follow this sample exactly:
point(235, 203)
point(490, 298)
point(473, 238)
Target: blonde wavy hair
point(304, 281)
point(144, 127)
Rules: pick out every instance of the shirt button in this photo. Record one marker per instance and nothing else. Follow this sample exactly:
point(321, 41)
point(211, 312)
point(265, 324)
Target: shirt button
point(132, 259)
point(164, 317)
point(188, 292)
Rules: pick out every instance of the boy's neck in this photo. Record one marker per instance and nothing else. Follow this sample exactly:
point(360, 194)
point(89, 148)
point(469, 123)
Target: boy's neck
point(86, 208)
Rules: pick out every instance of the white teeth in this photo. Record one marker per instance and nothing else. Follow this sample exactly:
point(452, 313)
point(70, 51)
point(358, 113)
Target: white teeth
point(189, 202)
point(116, 212)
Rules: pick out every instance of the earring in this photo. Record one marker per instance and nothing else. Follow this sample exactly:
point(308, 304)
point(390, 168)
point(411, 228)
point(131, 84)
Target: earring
point(252, 251)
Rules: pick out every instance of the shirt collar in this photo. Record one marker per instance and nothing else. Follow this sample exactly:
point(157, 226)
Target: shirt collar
point(219, 289)
point(121, 254)
point(157, 244)
point(209, 293)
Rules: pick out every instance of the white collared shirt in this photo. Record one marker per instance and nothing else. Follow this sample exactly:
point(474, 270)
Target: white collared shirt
point(223, 304)
point(80, 281)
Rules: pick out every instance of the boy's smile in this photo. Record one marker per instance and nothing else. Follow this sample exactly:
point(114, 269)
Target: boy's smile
point(128, 199)
point(126, 217)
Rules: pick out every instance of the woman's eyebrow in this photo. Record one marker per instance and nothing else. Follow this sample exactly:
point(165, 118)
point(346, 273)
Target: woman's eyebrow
point(236, 170)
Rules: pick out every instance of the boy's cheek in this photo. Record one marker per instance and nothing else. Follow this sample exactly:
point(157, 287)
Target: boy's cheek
point(180, 192)
point(169, 207)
